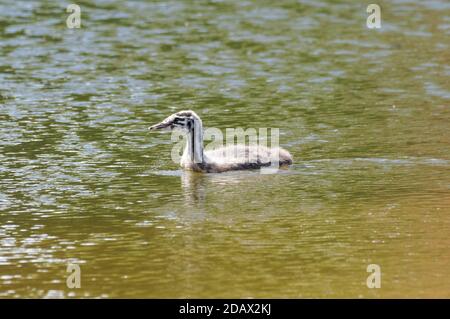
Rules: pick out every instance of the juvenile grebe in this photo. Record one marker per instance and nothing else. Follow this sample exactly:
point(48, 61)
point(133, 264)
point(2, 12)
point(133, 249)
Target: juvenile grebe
point(219, 159)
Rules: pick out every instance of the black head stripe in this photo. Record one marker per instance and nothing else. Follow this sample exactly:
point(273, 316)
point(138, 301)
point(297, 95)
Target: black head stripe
point(178, 120)
point(184, 121)
point(190, 124)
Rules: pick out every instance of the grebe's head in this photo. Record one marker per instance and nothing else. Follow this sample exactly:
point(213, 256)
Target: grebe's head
point(183, 120)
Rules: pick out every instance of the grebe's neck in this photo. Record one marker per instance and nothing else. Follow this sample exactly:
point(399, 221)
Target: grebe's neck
point(193, 151)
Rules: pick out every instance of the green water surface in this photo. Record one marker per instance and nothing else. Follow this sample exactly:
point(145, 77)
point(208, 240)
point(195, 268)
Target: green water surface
point(365, 113)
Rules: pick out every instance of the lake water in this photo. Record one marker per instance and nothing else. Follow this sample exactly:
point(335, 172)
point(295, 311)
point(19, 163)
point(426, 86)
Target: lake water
point(365, 113)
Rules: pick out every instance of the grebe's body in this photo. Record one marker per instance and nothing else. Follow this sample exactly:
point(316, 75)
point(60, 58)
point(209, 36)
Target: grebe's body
point(228, 158)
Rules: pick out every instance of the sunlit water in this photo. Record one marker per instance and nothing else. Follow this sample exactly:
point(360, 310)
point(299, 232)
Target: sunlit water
point(365, 114)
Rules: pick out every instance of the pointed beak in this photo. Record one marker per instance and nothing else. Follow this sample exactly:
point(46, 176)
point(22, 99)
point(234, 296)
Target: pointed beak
point(165, 125)
point(159, 126)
